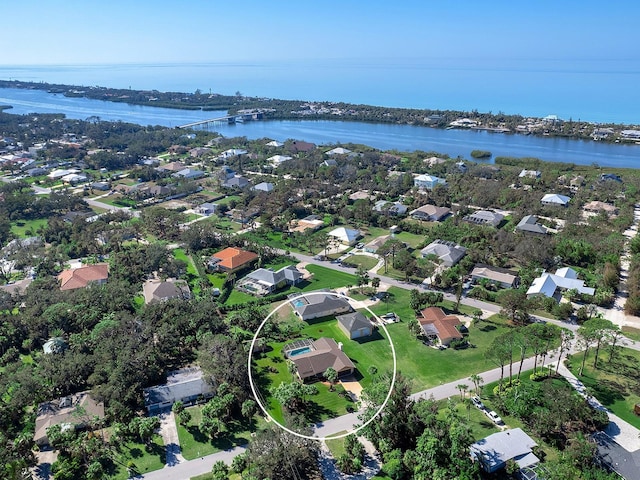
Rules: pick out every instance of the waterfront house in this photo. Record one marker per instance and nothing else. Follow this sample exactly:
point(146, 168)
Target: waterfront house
point(529, 174)
point(297, 146)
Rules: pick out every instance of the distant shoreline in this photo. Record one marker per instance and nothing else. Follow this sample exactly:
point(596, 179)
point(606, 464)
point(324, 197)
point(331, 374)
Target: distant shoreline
point(278, 109)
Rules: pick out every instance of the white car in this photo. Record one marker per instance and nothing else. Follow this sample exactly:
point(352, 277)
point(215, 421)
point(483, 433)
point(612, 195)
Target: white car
point(477, 402)
point(495, 418)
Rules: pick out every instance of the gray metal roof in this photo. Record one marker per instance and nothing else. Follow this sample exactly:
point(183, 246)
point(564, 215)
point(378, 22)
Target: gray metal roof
point(494, 451)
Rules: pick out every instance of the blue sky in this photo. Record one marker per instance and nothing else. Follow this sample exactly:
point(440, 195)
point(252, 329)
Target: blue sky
point(134, 31)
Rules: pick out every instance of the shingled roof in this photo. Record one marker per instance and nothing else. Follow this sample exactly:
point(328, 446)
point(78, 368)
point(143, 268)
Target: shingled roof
point(325, 354)
point(81, 277)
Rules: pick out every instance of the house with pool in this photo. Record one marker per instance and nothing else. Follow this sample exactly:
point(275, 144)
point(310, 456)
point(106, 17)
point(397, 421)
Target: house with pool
point(319, 304)
point(312, 358)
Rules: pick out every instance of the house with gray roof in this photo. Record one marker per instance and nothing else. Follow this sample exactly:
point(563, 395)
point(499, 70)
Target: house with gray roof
point(390, 208)
point(449, 253)
point(493, 452)
point(484, 217)
point(355, 325)
point(264, 281)
point(263, 187)
point(554, 199)
point(186, 385)
point(206, 208)
point(529, 224)
point(320, 304)
point(236, 181)
point(189, 174)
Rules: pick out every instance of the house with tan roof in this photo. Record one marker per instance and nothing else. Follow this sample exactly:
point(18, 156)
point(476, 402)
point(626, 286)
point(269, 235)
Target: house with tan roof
point(597, 207)
point(74, 411)
point(314, 358)
point(500, 276)
point(156, 290)
point(438, 325)
point(83, 276)
point(232, 259)
point(430, 213)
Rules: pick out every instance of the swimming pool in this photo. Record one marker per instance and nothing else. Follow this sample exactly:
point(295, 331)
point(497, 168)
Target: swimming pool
point(299, 302)
point(298, 351)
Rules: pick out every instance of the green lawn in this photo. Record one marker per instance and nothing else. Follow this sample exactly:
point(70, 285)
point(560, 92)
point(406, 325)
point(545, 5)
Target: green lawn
point(324, 277)
point(117, 200)
point(363, 260)
point(27, 228)
point(192, 275)
point(336, 447)
point(615, 384)
point(194, 443)
point(147, 458)
point(632, 333)
point(226, 200)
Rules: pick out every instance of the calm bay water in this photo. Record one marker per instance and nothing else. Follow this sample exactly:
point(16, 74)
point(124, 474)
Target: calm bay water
point(382, 136)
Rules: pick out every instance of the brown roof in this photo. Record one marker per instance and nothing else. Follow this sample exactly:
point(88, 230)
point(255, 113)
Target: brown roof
point(173, 166)
point(326, 354)
point(81, 277)
point(431, 210)
point(233, 258)
point(445, 324)
point(66, 410)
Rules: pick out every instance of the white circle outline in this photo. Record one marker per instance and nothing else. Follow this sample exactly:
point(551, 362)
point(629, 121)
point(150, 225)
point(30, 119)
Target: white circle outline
point(309, 437)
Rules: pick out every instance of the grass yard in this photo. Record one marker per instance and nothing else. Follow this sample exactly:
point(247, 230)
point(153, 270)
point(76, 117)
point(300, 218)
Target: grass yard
point(147, 458)
point(194, 443)
point(632, 333)
point(228, 199)
point(324, 277)
point(27, 228)
point(363, 260)
point(615, 384)
point(480, 424)
point(336, 447)
point(209, 476)
point(192, 272)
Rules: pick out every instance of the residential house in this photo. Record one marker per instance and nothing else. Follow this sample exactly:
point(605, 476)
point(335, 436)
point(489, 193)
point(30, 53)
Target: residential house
point(264, 281)
point(320, 304)
point(299, 146)
point(83, 276)
point(329, 162)
point(376, 243)
point(430, 213)
point(71, 217)
point(601, 133)
point(348, 236)
point(312, 222)
point(614, 457)
point(553, 284)
point(610, 176)
point(102, 186)
point(199, 151)
point(433, 161)
point(355, 325)
point(320, 355)
point(187, 386)
point(278, 159)
point(172, 167)
point(428, 182)
point(36, 171)
point(274, 143)
point(243, 216)
point(189, 174)
point(493, 452)
point(75, 411)
point(448, 253)
point(597, 207)
point(338, 151)
point(498, 276)
point(484, 217)
point(630, 134)
point(529, 224)
point(529, 174)
point(461, 167)
point(438, 325)
point(232, 152)
point(554, 199)
point(206, 209)
point(232, 259)
point(390, 208)
point(235, 182)
point(16, 288)
point(156, 290)
point(263, 187)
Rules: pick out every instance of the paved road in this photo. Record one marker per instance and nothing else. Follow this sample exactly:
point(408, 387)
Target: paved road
point(198, 466)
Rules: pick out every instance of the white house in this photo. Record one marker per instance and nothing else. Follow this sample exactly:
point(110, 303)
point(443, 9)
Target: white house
point(550, 284)
point(348, 236)
point(555, 199)
point(428, 182)
point(278, 159)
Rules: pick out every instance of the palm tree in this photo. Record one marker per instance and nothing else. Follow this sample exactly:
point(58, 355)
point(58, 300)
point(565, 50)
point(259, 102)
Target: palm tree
point(477, 381)
point(462, 387)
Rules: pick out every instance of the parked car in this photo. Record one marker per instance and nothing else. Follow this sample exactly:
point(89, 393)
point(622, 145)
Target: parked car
point(360, 245)
point(477, 402)
point(495, 418)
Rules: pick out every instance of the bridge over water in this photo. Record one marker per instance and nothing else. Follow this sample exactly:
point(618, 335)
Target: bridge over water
point(237, 117)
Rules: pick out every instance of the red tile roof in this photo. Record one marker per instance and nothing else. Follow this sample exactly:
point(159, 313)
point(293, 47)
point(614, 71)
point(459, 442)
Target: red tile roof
point(232, 258)
point(445, 324)
point(81, 277)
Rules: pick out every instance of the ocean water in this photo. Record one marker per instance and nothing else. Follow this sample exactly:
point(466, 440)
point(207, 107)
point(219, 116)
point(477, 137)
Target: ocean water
point(603, 91)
